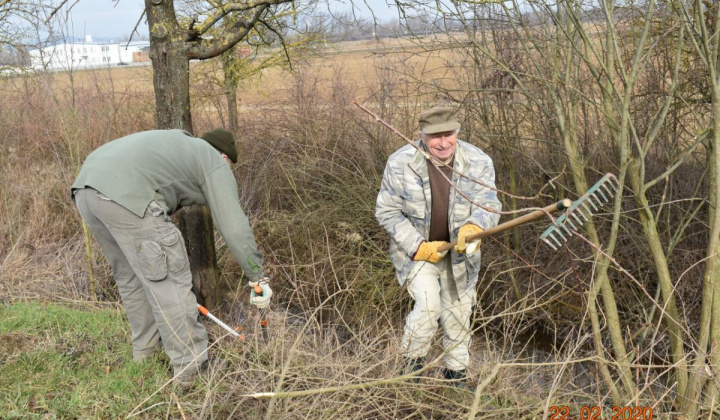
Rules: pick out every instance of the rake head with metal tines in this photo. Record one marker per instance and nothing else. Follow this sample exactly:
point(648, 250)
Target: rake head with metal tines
point(599, 194)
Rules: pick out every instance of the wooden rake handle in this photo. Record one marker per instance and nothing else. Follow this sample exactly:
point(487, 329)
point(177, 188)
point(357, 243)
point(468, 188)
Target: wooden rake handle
point(560, 205)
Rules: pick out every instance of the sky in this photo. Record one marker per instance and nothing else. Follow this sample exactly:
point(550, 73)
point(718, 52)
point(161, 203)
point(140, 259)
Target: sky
point(103, 19)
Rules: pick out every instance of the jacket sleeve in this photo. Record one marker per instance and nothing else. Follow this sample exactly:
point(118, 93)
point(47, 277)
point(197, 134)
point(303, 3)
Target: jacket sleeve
point(220, 190)
point(388, 211)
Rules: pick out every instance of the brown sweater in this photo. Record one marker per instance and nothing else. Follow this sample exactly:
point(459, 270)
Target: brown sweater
point(440, 196)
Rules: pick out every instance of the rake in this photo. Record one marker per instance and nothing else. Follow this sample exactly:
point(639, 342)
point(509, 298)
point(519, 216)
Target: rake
point(599, 194)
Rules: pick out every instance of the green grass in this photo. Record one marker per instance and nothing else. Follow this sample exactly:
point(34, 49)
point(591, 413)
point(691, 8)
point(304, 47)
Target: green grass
point(72, 363)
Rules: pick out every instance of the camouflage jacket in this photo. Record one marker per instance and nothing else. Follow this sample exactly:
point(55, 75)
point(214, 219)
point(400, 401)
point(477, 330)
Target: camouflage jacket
point(404, 203)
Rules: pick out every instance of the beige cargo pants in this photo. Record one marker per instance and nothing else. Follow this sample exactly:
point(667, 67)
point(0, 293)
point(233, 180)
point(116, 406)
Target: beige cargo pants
point(429, 285)
point(151, 268)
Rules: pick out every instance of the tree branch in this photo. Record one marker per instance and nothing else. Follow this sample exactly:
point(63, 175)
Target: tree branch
point(134, 31)
point(57, 9)
point(282, 42)
point(205, 49)
point(224, 10)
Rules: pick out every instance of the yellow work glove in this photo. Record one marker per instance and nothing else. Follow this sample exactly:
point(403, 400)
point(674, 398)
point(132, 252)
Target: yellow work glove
point(428, 251)
point(464, 247)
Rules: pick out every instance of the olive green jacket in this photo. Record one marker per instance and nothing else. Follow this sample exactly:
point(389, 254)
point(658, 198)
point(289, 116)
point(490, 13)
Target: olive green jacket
point(175, 169)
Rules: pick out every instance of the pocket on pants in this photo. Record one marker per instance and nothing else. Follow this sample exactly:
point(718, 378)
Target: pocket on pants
point(175, 251)
point(153, 260)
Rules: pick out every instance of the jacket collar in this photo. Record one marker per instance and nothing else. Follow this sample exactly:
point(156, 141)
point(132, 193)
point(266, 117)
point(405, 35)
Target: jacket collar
point(417, 163)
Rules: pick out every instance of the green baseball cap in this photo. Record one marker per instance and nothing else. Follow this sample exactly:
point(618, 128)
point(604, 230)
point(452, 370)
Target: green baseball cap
point(438, 119)
point(223, 141)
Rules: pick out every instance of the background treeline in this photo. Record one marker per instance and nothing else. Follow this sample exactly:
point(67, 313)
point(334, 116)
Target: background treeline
point(624, 314)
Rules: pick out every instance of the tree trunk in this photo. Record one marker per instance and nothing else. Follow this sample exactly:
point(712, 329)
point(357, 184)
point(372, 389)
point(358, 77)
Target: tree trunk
point(196, 226)
point(171, 66)
point(231, 73)
point(231, 96)
point(171, 80)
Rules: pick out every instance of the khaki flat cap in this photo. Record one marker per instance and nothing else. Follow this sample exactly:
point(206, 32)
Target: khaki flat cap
point(438, 119)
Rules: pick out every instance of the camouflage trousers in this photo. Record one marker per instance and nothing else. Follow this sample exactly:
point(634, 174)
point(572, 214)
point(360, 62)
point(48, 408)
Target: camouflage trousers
point(433, 288)
point(151, 268)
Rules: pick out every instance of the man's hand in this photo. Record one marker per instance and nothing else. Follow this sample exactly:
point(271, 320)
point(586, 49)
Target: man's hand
point(428, 251)
point(463, 247)
point(260, 300)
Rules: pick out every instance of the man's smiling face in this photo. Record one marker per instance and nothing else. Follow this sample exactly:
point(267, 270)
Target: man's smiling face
point(442, 145)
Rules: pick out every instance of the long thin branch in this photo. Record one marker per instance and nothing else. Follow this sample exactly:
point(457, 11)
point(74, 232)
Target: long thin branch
point(239, 30)
point(57, 9)
point(135, 28)
point(224, 10)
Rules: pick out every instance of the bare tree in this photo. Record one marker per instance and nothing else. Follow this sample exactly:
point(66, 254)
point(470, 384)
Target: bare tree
point(701, 21)
point(174, 41)
point(245, 60)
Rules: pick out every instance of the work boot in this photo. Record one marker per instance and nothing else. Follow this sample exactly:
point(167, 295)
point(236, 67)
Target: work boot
point(414, 365)
point(211, 366)
point(457, 378)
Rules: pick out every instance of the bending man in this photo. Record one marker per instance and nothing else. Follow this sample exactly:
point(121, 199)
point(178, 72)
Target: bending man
point(125, 192)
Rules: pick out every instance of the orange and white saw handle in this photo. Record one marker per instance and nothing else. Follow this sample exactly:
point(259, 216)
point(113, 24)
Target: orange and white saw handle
point(203, 310)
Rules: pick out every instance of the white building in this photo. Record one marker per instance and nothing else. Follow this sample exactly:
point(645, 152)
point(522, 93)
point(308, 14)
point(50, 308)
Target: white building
point(88, 54)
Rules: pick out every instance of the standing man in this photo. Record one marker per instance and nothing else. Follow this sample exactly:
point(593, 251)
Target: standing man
point(125, 192)
point(422, 210)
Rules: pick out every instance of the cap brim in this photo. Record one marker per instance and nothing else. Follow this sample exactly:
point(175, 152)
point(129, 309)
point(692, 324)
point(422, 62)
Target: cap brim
point(441, 128)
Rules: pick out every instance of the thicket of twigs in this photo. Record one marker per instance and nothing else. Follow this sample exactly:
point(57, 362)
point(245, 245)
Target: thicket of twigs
point(310, 167)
